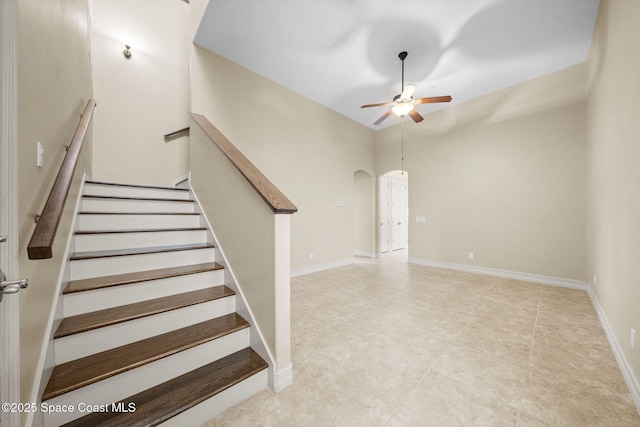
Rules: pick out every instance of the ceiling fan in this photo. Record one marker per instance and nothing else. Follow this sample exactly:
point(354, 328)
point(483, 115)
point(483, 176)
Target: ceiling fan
point(404, 103)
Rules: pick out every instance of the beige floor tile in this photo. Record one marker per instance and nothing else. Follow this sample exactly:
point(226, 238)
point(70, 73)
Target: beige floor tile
point(507, 319)
point(574, 329)
point(442, 401)
point(505, 344)
point(487, 375)
point(521, 288)
point(568, 400)
point(385, 343)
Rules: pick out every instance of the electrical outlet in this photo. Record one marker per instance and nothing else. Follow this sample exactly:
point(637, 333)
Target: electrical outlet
point(470, 255)
point(310, 255)
point(632, 339)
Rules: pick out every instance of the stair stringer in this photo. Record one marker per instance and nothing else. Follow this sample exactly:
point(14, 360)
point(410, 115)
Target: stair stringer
point(46, 362)
point(277, 381)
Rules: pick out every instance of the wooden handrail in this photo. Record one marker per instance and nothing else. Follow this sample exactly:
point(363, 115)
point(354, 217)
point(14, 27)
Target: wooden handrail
point(173, 135)
point(274, 198)
point(47, 226)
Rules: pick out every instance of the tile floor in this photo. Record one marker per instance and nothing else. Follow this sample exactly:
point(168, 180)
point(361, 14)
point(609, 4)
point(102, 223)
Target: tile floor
point(386, 343)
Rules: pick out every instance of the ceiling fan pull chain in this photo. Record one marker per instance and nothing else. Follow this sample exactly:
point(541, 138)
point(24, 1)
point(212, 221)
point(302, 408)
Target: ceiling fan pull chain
point(402, 142)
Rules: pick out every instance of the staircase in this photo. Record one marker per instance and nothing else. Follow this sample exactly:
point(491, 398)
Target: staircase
point(149, 332)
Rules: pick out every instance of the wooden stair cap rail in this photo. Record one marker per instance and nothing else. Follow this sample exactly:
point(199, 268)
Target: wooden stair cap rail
point(46, 228)
point(274, 198)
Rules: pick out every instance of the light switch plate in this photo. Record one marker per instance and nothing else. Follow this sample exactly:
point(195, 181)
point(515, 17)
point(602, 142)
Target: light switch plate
point(40, 154)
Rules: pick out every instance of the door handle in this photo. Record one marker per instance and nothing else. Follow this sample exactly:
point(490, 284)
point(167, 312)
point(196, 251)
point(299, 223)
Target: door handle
point(11, 286)
point(3, 239)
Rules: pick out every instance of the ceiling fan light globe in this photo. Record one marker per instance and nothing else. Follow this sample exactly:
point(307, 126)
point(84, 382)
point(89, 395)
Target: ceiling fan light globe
point(401, 109)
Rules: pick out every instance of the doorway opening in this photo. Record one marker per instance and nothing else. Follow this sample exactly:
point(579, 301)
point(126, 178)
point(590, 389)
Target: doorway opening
point(394, 212)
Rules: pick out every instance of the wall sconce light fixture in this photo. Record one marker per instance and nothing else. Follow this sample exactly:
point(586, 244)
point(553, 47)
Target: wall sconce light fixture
point(127, 52)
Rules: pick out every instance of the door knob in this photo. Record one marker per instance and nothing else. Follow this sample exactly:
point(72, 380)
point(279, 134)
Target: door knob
point(11, 286)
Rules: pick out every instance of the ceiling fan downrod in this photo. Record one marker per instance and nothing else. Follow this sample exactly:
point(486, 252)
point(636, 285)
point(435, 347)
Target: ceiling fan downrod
point(402, 55)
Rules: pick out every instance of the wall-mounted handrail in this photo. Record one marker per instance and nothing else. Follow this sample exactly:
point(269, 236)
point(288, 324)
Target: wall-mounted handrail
point(274, 198)
point(47, 226)
point(177, 134)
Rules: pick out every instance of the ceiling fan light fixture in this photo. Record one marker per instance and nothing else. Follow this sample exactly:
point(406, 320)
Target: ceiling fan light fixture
point(401, 109)
point(404, 103)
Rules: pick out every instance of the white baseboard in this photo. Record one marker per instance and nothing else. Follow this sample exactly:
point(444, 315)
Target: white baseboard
point(627, 372)
point(181, 181)
point(281, 379)
point(365, 254)
point(321, 267)
point(527, 277)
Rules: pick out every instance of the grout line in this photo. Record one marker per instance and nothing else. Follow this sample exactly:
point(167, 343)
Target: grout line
point(533, 338)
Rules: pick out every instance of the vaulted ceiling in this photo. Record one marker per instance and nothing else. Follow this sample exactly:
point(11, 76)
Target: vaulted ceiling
point(344, 53)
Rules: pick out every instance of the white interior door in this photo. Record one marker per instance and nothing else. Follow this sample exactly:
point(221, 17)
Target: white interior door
point(399, 213)
point(9, 316)
point(385, 234)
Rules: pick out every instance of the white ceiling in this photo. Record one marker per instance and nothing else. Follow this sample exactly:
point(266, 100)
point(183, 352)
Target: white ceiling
point(344, 53)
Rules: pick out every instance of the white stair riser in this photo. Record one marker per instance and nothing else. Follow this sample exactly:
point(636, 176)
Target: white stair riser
point(123, 385)
point(109, 241)
point(86, 343)
point(103, 298)
point(124, 205)
point(108, 266)
point(124, 191)
point(97, 222)
point(203, 412)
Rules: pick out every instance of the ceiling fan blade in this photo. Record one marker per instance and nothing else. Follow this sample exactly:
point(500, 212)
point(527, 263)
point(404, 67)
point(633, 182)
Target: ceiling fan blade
point(416, 116)
point(381, 104)
point(407, 93)
point(384, 116)
point(433, 100)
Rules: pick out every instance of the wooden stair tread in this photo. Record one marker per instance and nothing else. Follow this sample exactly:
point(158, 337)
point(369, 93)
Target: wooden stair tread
point(138, 251)
point(141, 230)
point(160, 403)
point(144, 199)
point(90, 369)
point(117, 184)
point(111, 316)
point(138, 276)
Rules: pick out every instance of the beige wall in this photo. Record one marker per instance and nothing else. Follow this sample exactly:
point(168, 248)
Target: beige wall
point(54, 85)
point(364, 213)
point(244, 226)
point(143, 98)
point(613, 136)
point(308, 151)
point(501, 176)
